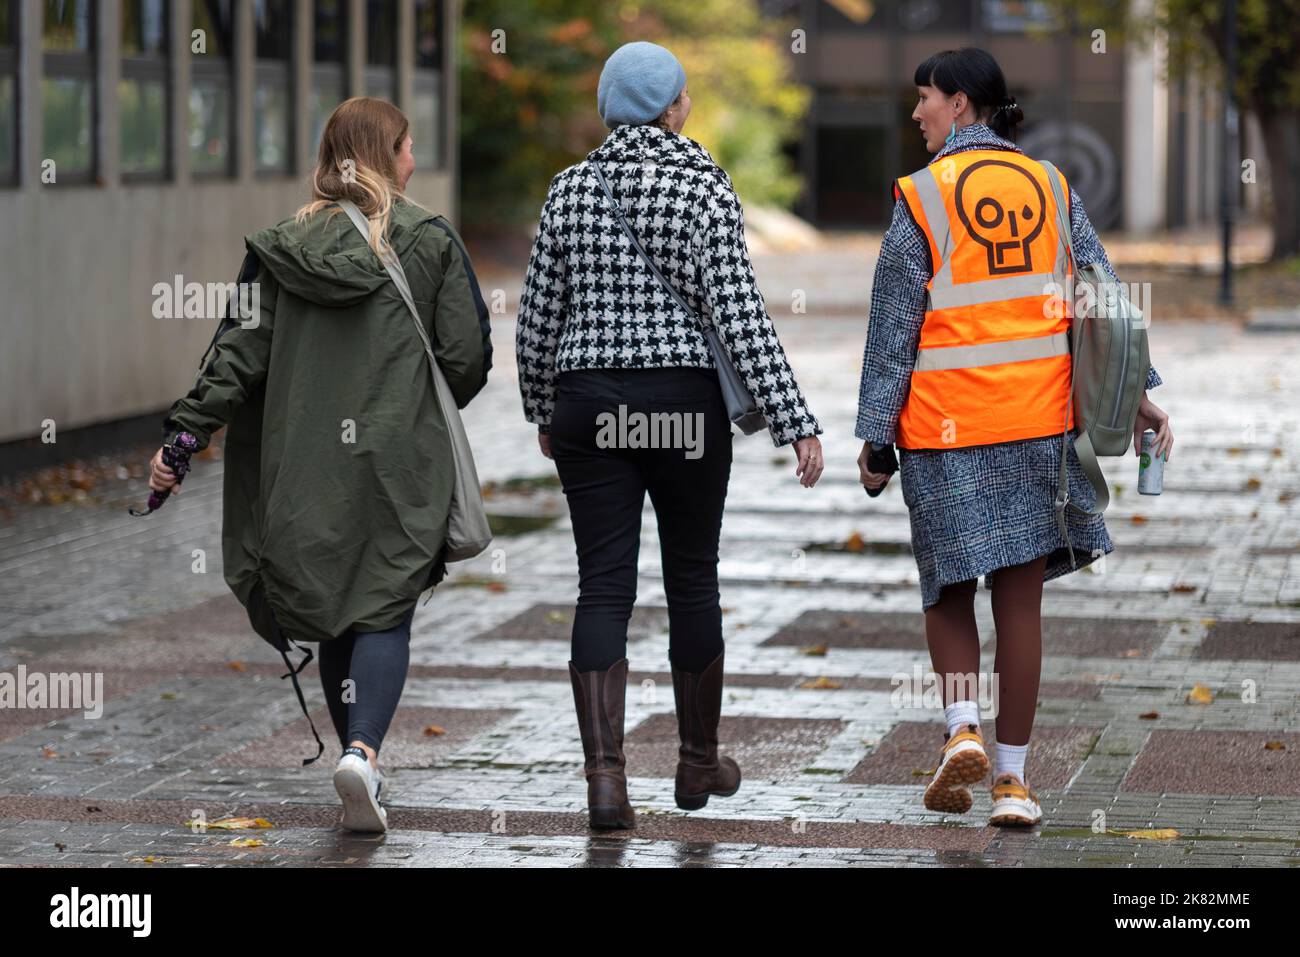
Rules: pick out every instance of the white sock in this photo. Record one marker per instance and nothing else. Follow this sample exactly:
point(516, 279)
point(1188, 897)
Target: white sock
point(959, 714)
point(1010, 757)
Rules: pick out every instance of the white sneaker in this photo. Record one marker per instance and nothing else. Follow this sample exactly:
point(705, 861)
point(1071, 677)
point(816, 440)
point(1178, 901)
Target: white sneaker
point(1014, 802)
point(358, 785)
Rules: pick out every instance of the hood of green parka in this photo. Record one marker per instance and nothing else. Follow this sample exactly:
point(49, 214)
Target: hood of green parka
point(326, 260)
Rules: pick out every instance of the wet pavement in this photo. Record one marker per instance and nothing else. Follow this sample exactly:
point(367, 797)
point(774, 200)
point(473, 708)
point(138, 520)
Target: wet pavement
point(821, 614)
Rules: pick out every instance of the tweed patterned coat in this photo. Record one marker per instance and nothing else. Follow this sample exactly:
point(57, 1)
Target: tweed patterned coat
point(590, 302)
point(972, 510)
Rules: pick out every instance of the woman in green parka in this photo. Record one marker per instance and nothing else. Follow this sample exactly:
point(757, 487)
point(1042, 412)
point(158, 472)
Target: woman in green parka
point(338, 470)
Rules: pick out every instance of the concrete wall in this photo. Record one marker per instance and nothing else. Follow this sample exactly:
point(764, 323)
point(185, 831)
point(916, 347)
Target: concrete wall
point(78, 340)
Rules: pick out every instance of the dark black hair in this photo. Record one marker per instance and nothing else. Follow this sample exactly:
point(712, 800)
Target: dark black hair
point(974, 72)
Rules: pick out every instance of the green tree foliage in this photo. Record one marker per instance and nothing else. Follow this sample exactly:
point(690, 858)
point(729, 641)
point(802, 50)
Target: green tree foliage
point(529, 72)
point(1268, 72)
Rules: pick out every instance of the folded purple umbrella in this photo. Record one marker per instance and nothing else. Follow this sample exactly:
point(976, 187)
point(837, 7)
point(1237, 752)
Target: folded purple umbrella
point(177, 458)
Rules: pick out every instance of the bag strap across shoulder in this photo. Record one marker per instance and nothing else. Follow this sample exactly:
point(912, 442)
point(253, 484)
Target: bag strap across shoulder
point(395, 272)
point(636, 244)
point(1082, 441)
point(469, 531)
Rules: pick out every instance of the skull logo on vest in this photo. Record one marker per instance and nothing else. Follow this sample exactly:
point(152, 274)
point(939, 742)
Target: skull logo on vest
point(1005, 231)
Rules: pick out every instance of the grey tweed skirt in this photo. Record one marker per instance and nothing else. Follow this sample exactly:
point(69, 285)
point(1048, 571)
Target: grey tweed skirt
point(975, 510)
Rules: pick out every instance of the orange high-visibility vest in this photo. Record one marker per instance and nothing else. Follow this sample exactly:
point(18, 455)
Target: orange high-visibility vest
point(993, 361)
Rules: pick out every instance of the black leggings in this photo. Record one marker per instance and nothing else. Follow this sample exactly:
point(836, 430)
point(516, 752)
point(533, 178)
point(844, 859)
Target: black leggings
point(376, 661)
point(606, 488)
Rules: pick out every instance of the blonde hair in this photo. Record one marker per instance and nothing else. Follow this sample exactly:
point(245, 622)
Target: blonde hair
point(358, 161)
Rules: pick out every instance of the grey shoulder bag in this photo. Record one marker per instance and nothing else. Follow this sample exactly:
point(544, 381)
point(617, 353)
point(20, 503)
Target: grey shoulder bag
point(468, 531)
point(741, 407)
point(1108, 370)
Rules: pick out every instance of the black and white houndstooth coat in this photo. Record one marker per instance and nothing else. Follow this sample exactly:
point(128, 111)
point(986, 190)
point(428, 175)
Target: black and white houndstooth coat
point(589, 302)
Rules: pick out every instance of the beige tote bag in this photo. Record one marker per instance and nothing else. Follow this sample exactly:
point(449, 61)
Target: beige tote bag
point(468, 531)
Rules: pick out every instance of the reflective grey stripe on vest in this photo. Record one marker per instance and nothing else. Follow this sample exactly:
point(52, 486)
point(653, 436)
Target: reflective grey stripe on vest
point(943, 293)
point(996, 290)
point(991, 353)
point(936, 215)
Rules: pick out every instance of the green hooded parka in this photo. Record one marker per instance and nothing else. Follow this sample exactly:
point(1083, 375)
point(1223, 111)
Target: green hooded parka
point(338, 475)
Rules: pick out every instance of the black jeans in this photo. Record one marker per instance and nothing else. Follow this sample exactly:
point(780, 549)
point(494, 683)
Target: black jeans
point(606, 464)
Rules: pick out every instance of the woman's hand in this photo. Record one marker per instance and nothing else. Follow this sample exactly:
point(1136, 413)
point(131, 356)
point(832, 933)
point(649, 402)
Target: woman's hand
point(1151, 416)
point(809, 451)
point(871, 480)
point(544, 441)
point(162, 478)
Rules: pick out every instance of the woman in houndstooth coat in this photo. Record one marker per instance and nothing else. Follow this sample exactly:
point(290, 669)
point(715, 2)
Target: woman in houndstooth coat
point(598, 337)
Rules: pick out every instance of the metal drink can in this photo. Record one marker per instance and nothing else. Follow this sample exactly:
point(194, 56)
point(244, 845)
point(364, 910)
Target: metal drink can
point(1151, 467)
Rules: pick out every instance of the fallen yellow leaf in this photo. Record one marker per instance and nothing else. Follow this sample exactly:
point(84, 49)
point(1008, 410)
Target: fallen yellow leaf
point(1200, 695)
point(820, 683)
point(816, 651)
point(235, 824)
point(1156, 834)
point(1274, 745)
point(247, 842)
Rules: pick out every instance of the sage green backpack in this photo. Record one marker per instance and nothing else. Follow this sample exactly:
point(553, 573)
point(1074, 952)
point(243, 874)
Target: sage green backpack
point(1109, 363)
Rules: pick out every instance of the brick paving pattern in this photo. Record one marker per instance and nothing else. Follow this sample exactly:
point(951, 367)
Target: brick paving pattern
point(484, 760)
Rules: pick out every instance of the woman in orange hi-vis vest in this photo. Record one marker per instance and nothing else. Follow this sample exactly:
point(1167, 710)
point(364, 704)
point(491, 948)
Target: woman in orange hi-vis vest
point(967, 370)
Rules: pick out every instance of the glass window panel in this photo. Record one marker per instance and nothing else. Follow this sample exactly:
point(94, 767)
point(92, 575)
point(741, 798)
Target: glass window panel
point(213, 17)
point(330, 16)
point(144, 140)
point(68, 25)
point(144, 28)
point(382, 85)
point(272, 28)
point(1015, 16)
point(381, 30)
point(425, 121)
point(8, 124)
point(427, 54)
point(325, 96)
point(8, 22)
point(67, 110)
point(210, 125)
point(271, 123)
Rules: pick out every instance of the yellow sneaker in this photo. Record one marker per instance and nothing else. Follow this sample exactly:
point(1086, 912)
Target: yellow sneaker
point(1014, 802)
point(963, 762)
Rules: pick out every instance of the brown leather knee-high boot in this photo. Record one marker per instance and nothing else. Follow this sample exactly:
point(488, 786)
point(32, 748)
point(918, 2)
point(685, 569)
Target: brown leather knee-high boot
point(701, 771)
point(598, 697)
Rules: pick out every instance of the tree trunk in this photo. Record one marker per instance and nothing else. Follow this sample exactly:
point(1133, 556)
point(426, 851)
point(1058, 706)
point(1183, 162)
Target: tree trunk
point(1282, 142)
